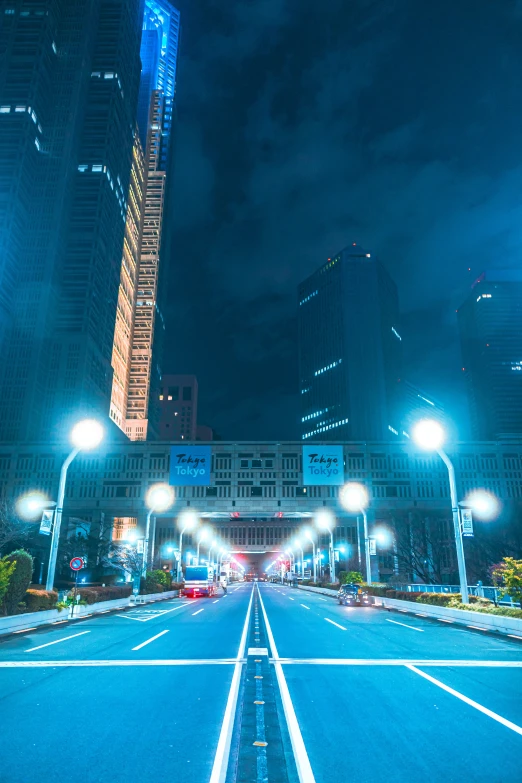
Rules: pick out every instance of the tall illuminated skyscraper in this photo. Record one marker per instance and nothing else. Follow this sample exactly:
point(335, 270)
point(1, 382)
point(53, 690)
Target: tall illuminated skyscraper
point(69, 85)
point(159, 49)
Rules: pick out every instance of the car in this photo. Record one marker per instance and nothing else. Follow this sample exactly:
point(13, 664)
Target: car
point(353, 595)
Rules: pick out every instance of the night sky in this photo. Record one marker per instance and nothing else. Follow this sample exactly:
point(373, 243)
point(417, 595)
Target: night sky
point(305, 126)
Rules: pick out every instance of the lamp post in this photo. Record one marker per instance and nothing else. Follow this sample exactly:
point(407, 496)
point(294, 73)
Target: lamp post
point(325, 520)
point(159, 498)
point(85, 436)
point(291, 556)
point(309, 537)
point(429, 435)
point(202, 537)
point(187, 520)
point(354, 498)
point(298, 545)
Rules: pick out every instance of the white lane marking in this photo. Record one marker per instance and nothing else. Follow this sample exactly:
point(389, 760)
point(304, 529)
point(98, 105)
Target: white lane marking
point(401, 662)
point(290, 599)
point(444, 620)
point(322, 599)
point(304, 769)
point(420, 614)
point(152, 613)
point(514, 636)
point(466, 700)
point(219, 768)
point(305, 607)
point(395, 622)
point(215, 602)
point(143, 644)
point(26, 630)
point(477, 628)
point(64, 639)
point(198, 612)
point(337, 624)
point(145, 662)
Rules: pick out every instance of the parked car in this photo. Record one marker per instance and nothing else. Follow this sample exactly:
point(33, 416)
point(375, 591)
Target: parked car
point(353, 595)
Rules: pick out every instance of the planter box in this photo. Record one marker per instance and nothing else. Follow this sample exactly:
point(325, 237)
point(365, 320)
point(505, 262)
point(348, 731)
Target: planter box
point(491, 622)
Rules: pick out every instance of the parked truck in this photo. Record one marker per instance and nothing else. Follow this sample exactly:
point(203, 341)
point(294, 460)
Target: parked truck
point(199, 580)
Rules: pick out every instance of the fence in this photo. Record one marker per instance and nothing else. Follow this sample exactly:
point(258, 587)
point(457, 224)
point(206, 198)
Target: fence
point(479, 590)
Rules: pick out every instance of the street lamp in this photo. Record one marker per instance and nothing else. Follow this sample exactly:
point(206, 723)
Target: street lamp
point(159, 498)
point(203, 536)
point(31, 505)
point(429, 435)
point(291, 555)
point(85, 436)
point(354, 497)
point(325, 520)
point(485, 505)
point(299, 546)
point(187, 520)
point(308, 535)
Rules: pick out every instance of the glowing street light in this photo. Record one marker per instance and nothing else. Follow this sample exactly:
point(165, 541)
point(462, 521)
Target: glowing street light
point(299, 545)
point(325, 520)
point(203, 536)
point(308, 535)
point(31, 505)
point(85, 436)
point(429, 435)
point(354, 497)
point(485, 505)
point(159, 498)
point(187, 520)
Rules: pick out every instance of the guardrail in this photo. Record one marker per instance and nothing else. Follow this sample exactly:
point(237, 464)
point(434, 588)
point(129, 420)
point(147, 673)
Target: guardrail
point(482, 591)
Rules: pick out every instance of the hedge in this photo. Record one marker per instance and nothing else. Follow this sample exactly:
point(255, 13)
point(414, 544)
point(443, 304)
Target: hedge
point(19, 581)
point(40, 600)
point(92, 595)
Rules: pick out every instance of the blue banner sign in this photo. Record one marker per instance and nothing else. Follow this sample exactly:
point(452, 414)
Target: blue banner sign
point(190, 466)
point(323, 465)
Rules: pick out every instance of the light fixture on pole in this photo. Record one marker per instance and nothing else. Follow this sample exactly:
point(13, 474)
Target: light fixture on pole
point(291, 556)
point(298, 546)
point(85, 436)
point(203, 536)
point(187, 520)
point(325, 520)
point(159, 498)
point(308, 535)
point(354, 497)
point(429, 435)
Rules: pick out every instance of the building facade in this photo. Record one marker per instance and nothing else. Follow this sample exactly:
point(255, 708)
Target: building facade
point(256, 498)
point(490, 325)
point(68, 96)
point(415, 404)
point(349, 350)
point(159, 50)
point(178, 399)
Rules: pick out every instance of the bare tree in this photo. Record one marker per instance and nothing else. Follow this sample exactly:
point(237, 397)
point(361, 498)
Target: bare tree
point(123, 558)
point(423, 548)
point(13, 530)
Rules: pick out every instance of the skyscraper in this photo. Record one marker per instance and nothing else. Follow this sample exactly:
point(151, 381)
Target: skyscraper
point(490, 324)
point(179, 407)
point(68, 100)
point(349, 350)
point(159, 50)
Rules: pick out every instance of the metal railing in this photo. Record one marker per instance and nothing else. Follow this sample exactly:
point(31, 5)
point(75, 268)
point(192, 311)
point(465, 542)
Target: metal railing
point(482, 591)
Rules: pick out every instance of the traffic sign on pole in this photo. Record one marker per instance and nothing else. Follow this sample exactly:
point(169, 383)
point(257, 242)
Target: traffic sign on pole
point(76, 564)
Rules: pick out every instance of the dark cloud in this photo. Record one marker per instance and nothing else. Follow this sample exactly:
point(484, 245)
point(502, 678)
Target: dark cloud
point(305, 126)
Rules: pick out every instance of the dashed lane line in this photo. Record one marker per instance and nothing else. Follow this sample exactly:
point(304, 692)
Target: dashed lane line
point(57, 641)
point(404, 625)
point(507, 723)
point(305, 607)
point(198, 612)
point(336, 624)
point(152, 639)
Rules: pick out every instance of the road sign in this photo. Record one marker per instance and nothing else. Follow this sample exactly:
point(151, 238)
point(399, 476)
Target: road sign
point(76, 564)
point(373, 546)
point(46, 525)
point(466, 520)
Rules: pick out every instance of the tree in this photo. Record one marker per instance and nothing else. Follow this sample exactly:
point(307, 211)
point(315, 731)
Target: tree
point(6, 571)
point(19, 581)
point(508, 576)
point(423, 548)
point(350, 577)
point(123, 558)
point(13, 530)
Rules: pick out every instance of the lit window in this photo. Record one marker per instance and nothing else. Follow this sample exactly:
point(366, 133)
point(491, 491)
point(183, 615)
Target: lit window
point(97, 168)
point(108, 75)
point(161, 396)
point(33, 117)
point(53, 46)
point(5, 109)
point(20, 109)
point(9, 11)
point(396, 333)
point(169, 397)
point(37, 143)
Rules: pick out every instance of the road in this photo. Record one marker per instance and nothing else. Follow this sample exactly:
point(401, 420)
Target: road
point(269, 685)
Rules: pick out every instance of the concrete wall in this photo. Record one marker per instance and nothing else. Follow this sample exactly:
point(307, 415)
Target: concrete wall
point(20, 622)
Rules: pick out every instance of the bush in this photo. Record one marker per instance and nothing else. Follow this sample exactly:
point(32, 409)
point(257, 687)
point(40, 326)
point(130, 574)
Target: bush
point(19, 580)
point(350, 577)
point(92, 595)
point(6, 570)
point(40, 600)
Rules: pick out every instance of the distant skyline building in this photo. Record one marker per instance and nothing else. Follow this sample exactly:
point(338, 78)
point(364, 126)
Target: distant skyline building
point(490, 325)
point(349, 350)
point(415, 404)
point(178, 398)
point(159, 49)
point(68, 100)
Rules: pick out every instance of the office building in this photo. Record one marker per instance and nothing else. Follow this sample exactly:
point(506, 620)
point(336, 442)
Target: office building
point(178, 400)
point(159, 49)
point(349, 350)
point(490, 324)
point(68, 100)
point(415, 404)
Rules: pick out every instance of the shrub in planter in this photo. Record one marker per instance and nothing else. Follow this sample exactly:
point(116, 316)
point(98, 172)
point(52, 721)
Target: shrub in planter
point(19, 580)
point(93, 595)
point(40, 600)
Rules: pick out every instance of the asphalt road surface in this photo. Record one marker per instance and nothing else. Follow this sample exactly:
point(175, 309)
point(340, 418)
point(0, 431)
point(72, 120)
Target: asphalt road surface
point(264, 685)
